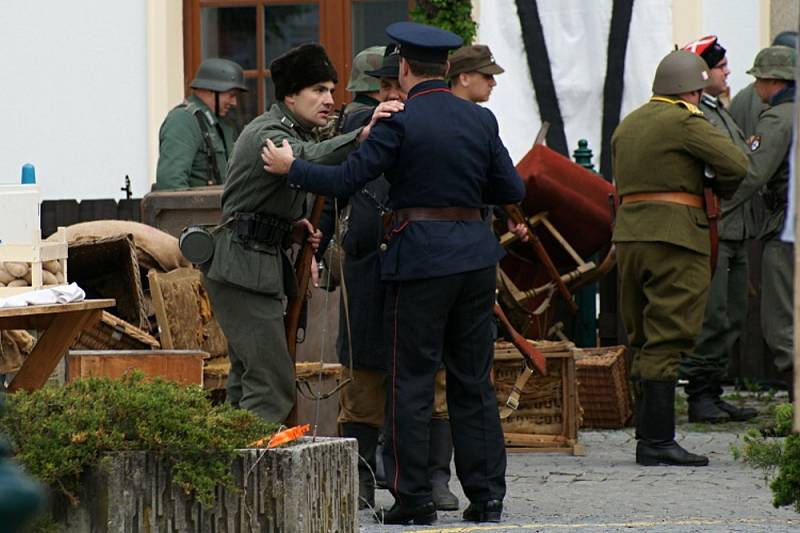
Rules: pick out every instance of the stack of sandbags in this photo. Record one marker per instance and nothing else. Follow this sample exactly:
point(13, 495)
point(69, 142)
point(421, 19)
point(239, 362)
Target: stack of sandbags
point(154, 248)
point(15, 274)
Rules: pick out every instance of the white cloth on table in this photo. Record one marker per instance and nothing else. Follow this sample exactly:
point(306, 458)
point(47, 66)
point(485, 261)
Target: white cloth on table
point(60, 294)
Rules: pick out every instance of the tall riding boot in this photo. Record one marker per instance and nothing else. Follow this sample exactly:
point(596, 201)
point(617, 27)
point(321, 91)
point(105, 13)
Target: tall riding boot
point(655, 428)
point(737, 414)
point(367, 437)
point(440, 454)
point(702, 402)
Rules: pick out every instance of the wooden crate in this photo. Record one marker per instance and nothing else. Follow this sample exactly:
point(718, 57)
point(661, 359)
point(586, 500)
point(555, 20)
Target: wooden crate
point(183, 366)
point(548, 416)
point(603, 387)
point(113, 333)
point(36, 253)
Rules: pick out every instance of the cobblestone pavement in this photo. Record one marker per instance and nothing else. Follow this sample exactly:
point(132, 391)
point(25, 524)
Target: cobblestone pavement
point(606, 491)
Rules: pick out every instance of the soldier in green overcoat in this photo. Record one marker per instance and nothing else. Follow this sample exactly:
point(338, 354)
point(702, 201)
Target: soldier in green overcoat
point(769, 148)
point(660, 154)
point(193, 143)
point(250, 274)
point(726, 308)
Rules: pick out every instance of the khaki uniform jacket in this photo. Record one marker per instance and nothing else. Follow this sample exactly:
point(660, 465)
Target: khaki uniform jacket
point(182, 152)
point(665, 147)
point(736, 223)
point(251, 189)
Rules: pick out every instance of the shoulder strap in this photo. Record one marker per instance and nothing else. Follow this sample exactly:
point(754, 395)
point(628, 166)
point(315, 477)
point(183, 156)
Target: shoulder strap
point(211, 153)
point(693, 109)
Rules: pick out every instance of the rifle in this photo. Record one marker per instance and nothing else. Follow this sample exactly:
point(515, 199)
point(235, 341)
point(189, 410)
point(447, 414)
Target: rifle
point(302, 269)
point(294, 309)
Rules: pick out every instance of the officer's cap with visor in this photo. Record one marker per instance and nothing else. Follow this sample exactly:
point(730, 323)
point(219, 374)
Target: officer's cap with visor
point(390, 65)
point(708, 48)
point(420, 42)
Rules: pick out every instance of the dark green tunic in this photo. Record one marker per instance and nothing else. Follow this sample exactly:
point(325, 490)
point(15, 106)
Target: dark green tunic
point(182, 151)
point(662, 247)
point(247, 281)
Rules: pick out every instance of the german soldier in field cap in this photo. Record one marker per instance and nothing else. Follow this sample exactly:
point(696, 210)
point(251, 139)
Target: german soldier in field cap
point(250, 272)
point(444, 160)
point(769, 148)
point(193, 142)
point(472, 72)
point(660, 154)
point(726, 308)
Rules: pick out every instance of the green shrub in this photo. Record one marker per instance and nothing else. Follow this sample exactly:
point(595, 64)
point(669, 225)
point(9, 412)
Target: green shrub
point(57, 432)
point(452, 15)
point(771, 455)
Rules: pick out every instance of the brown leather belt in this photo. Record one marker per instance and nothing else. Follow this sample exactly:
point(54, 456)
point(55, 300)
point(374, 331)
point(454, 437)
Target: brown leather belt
point(683, 198)
point(437, 213)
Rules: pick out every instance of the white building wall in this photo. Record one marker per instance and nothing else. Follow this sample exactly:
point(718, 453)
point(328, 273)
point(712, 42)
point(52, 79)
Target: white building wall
point(74, 86)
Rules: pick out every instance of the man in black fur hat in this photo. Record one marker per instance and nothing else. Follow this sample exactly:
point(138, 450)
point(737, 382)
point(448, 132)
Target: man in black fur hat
point(250, 273)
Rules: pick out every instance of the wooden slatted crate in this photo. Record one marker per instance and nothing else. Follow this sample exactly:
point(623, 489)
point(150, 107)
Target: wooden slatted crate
point(548, 416)
point(183, 366)
point(35, 254)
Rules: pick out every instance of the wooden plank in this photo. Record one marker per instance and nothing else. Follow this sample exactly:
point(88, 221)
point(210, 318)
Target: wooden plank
point(55, 308)
point(164, 331)
point(51, 347)
point(183, 366)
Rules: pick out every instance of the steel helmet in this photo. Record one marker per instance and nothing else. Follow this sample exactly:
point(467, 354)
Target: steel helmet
point(680, 72)
point(217, 74)
point(368, 59)
point(774, 63)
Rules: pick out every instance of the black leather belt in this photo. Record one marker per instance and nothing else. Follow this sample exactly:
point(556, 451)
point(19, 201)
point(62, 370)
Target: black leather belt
point(261, 228)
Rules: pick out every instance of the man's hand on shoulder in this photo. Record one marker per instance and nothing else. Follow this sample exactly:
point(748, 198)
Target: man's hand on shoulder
point(383, 110)
point(277, 159)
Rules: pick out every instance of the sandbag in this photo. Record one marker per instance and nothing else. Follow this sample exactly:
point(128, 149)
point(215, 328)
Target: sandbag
point(154, 248)
point(15, 346)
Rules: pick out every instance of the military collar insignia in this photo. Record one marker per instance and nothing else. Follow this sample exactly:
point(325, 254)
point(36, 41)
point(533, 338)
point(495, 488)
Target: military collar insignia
point(209, 116)
point(710, 101)
point(286, 122)
point(754, 142)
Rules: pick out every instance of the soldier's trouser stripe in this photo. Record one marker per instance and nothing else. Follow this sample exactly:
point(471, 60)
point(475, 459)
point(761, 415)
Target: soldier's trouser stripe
point(396, 482)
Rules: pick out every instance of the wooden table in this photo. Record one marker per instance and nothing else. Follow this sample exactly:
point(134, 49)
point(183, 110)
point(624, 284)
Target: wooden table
point(60, 325)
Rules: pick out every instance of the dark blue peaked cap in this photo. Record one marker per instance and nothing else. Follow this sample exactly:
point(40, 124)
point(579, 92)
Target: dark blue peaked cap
point(421, 42)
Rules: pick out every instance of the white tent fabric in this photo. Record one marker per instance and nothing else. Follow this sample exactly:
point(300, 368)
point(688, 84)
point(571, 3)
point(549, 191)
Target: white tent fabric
point(576, 33)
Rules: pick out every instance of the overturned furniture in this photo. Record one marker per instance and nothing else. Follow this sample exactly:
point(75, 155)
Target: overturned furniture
point(568, 213)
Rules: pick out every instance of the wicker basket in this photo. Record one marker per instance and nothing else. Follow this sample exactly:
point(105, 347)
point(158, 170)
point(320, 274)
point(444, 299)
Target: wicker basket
point(603, 387)
point(113, 333)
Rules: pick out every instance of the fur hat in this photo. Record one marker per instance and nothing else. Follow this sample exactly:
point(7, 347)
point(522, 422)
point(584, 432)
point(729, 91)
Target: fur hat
point(299, 68)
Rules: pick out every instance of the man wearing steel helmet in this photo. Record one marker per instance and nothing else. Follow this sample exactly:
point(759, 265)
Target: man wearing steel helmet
point(194, 144)
point(725, 312)
point(746, 106)
point(769, 147)
point(660, 154)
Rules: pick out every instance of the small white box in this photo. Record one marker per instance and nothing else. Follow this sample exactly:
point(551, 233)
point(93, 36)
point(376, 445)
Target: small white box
point(20, 206)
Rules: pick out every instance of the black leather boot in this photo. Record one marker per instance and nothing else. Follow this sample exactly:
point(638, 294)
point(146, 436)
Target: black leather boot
point(490, 511)
point(367, 437)
point(439, 456)
point(737, 414)
point(655, 427)
point(703, 403)
point(424, 514)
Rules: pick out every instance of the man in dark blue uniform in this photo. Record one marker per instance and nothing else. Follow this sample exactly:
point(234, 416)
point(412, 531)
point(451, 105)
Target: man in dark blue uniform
point(444, 160)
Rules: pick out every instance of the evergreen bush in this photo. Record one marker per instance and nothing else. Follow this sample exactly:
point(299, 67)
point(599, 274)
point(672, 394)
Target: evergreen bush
point(57, 432)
